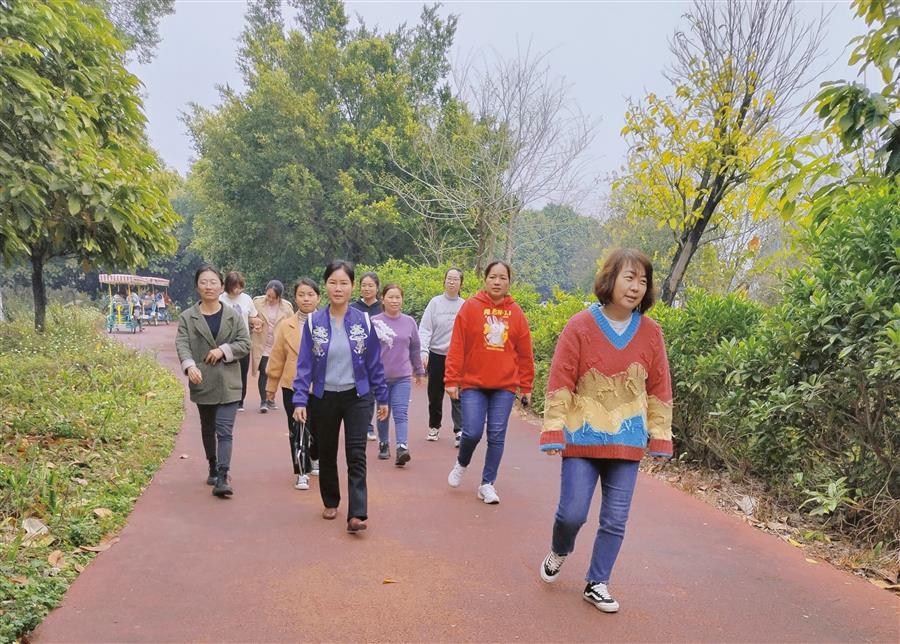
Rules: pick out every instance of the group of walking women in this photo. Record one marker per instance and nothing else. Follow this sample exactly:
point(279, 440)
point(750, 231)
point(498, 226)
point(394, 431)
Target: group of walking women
point(608, 397)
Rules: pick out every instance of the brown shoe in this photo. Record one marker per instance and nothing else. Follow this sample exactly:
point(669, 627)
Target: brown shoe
point(329, 513)
point(356, 525)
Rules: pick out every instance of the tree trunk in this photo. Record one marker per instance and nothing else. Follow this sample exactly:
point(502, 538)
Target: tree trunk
point(690, 241)
point(510, 230)
point(38, 289)
point(2, 315)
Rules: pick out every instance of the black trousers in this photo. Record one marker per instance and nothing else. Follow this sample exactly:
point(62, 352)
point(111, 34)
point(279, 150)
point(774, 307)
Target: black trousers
point(436, 364)
point(217, 431)
point(326, 414)
point(245, 367)
point(261, 379)
point(300, 441)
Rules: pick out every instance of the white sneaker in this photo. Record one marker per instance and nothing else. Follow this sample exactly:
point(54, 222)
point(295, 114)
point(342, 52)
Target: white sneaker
point(456, 438)
point(551, 566)
point(314, 469)
point(433, 433)
point(488, 494)
point(598, 595)
point(302, 482)
point(371, 435)
point(456, 474)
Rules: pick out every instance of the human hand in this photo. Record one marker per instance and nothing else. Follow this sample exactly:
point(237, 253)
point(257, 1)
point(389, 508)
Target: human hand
point(525, 399)
point(552, 452)
point(382, 412)
point(194, 375)
point(453, 392)
point(418, 379)
point(214, 356)
point(300, 414)
point(425, 361)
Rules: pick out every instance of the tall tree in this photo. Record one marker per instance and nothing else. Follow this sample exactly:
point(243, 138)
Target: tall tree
point(77, 177)
point(514, 139)
point(137, 22)
point(696, 159)
point(286, 171)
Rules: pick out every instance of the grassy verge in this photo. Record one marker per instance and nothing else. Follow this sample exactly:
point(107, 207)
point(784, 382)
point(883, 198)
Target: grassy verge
point(84, 424)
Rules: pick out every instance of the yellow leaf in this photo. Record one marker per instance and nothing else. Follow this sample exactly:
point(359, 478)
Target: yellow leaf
point(389, 581)
point(812, 561)
point(103, 512)
point(795, 543)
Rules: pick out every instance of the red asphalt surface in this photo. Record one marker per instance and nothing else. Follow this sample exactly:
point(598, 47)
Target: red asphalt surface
point(264, 565)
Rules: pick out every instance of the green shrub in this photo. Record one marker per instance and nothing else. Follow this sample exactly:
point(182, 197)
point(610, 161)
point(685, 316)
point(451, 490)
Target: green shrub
point(84, 423)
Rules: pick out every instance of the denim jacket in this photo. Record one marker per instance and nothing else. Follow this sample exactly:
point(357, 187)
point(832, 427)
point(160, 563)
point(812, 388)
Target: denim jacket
point(365, 350)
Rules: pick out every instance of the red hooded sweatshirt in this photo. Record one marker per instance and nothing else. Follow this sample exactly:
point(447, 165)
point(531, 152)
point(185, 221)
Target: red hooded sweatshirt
point(490, 347)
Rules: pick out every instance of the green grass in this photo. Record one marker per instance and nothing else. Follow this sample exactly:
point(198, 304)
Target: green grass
point(84, 424)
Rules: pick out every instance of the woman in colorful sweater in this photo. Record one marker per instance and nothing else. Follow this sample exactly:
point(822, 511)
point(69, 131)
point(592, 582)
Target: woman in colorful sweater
point(281, 370)
point(490, 358)
point(609, 398)
point(340, 376)
point(399, 337)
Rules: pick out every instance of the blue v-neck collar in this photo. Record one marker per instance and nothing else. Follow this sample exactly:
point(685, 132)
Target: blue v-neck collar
point(618, 341)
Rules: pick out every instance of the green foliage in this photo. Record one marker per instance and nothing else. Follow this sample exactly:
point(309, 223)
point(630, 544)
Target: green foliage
point(814, 386)
point(78, 178)
point(556, 247)
point(288, 175)
point(85, 423)
point(137, 22)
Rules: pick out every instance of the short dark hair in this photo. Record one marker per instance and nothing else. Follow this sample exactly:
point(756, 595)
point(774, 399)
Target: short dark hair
point(388, 287)
point(458, 270)
point(339, 265)
point(374, 279)
point(306, 281)
point(615, 264)
point(206, 268)
point(497, 262)
point(233, 280)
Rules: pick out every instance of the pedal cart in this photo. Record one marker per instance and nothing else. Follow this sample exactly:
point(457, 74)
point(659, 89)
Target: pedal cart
point(126, 311)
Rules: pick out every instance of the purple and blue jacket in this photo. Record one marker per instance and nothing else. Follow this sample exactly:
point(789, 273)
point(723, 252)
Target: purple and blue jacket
point(365, 350)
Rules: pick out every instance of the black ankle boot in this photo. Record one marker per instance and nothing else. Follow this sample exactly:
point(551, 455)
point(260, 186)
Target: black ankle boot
point(211, 479)
point(222, 488)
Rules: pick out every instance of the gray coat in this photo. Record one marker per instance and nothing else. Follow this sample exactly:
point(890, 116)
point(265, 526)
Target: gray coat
point(221, 382)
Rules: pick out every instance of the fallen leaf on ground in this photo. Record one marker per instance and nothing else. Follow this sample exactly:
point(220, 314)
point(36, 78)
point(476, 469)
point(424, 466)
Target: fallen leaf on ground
point(80, 481)
point(747, 504)
point(78, 568)
point(389, 581)
point(57, 559)
point(34, 527)
point(883, 584)
point(795, 543)
point(103, 512)
point(19, 579)
point(812, 561)
point(104, 545)
point(184, 456)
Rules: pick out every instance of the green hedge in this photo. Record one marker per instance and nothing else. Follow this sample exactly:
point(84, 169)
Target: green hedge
point(84, 424)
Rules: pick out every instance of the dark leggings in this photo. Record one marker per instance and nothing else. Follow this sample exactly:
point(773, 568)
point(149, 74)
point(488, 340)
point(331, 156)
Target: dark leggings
point(217, 429)
point(262, 379)
point(245, 367)
point(307, 438)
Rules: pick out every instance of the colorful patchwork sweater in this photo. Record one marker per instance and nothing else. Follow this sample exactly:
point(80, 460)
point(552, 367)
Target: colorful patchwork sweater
point(608, 393)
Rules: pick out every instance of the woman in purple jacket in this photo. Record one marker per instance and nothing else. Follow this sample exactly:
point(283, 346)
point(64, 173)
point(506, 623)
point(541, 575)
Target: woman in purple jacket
point(339, 377)
point(399, 338)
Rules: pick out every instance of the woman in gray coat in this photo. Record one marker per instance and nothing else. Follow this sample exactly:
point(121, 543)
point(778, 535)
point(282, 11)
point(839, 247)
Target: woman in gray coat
point(211, 341)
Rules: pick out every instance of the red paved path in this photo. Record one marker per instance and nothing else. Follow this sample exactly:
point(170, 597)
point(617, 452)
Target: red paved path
point(264, 566)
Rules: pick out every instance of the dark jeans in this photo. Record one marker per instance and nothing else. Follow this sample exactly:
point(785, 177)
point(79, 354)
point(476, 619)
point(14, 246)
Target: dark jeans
point(578, 480)
point(302, 438)
point(262, 379)
point(217, 428)
point(480, 407)
point(326, 414)
point(245, 367)
point(436, 364)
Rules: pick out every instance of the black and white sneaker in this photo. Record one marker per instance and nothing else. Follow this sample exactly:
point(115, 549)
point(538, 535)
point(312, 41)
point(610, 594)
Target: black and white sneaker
point(384, 451)
point(551, 566)
point(597, 594)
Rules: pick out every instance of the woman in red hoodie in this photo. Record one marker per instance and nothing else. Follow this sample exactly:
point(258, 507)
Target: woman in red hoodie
point(490, 358)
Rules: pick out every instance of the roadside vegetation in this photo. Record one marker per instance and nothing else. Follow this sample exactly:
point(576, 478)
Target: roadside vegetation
point(84, 425)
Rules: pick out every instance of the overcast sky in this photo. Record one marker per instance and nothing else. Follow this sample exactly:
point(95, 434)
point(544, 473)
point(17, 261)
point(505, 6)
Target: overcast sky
point(606, 51)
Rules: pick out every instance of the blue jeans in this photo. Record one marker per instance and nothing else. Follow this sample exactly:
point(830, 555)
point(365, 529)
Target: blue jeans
point(478, 406)
point(399, 392)
point(578, 480)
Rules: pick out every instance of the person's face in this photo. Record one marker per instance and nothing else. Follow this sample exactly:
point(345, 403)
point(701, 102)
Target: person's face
point(271, 295)
point(630, 287)
point(497, 282)
point(368, 289)
point(452, 283)
point(209, 286)
point(307, 299)
point(237, 290)
point(338, 286)
point(393, 301)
